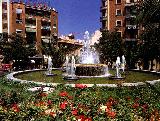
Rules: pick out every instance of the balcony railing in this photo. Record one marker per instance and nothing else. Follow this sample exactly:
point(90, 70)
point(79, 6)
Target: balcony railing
point(19, 21)
point(130, 16)
point(131, 26)
point(130, 39)
point(30, 26)
point(30, 30)
point(4, 11)
point(45, 37)
point(46, 27)
point(103, 18)
point(103, 8)
point(30, 17)
point(128, 4)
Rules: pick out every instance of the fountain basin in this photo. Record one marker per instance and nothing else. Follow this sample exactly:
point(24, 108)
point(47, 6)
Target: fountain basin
point(90, 69)
point(116, 78)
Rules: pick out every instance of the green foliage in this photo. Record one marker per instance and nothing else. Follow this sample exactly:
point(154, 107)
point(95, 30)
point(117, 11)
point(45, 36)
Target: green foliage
point(57, 53)
point(15, 49)
point(110, 46)
point(149, 18)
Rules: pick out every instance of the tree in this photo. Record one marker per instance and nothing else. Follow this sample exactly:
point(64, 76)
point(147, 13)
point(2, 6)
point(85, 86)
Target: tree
point(15, 49)
point(52, 49)
point(110, 46)
point(149, 18)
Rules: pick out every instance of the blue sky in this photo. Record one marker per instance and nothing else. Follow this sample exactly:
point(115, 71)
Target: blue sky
point(77, 16)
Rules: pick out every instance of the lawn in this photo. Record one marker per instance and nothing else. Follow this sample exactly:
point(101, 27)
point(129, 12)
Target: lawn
point(131, 76)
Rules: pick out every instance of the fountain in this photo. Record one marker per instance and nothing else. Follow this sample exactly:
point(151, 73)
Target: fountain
point(117, 75)
point(70, 69)
point(49, 69)
point(89, 61)
point(123, 63)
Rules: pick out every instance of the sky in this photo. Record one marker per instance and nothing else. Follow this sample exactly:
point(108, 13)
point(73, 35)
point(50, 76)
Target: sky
point(77, 16)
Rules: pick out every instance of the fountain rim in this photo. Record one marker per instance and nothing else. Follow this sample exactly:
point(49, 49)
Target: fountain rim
point(11, 77)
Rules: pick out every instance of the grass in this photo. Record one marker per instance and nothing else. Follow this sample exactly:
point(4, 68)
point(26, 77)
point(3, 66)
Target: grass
point(130, 77)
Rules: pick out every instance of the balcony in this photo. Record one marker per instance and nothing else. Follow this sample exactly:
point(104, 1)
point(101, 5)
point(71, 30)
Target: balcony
point(5, 11)
point(46, 27)
point(130, 39)
point(19, 21)
point(30, 26)
point(131, 26)
point(128, 16)
point(45, 37)
point(5, 21)
point(104, 18)
point(30, 30)
point(103, 8)
point(31, 17)
point(129, 4)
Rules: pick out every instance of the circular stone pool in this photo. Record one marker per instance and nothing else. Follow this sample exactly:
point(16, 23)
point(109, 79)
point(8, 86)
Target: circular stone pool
point(131, 77)
point(90, 69)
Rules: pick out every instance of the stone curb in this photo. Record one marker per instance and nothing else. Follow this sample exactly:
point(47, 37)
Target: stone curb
point(12, 78)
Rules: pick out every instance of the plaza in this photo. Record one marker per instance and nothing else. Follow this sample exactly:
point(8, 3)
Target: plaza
point(71, 69)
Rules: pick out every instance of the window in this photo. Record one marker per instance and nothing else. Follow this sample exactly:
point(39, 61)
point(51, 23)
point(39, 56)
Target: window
point(118, 1)
point(18, 11)
point(118, 12)
point(18, 31)
point(118, 23)
point(119, 34)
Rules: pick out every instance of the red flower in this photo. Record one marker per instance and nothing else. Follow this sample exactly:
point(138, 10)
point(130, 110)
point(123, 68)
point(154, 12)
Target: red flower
point(109, 104)
point(52, 114)
point(49, 102)
point(144, 107)
point(108, 110)
point(135, 105)
point(81, 86)
point(15, 108)
point(111, 114)
point(63, 105)
point(74, 112)
point(83, 118)
point(70, 97)
point(63, 94)
point(43, 94)
point(137, 99)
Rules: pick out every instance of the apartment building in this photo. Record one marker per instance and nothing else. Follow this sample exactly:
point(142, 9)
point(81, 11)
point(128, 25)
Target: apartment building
point(4, 16)
point(36, 23)
point(120, 14)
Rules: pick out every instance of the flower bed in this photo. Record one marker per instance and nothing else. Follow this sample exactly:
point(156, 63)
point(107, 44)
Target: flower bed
point(82, 104)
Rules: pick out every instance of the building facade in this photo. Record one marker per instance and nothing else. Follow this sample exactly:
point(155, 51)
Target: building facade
point(121, 15)
point(35, 23)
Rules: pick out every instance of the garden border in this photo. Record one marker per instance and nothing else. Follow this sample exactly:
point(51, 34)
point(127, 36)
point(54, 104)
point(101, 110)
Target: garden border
point(12, 78)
